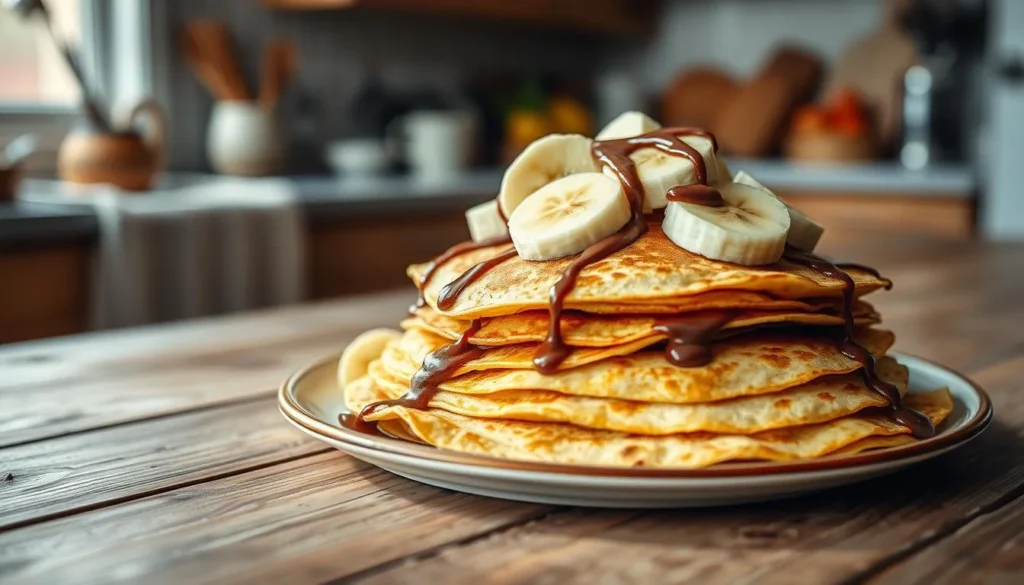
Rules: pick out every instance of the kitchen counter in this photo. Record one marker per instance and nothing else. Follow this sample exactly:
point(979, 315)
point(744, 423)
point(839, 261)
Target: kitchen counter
point(30, 222)
point(876, 178)
point(327, 198)
point(40, 218)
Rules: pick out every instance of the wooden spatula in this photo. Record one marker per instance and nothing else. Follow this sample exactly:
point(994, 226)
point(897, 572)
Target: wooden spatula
point(280, 61)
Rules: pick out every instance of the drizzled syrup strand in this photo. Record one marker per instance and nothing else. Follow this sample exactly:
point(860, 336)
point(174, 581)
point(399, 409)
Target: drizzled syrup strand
point(696, 195)
point(615, 155)
point(456, 250)
point(689, 336)
point(451, 291)
point(438, 366)
point(920, 426)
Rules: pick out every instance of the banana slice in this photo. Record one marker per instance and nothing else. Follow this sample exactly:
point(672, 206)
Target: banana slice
point(804, 232)
point(749, 229)
point(368, 346)
point(660, 171)
point(566, 216)
point(628, 125)
point(485, 223)
point(722, 172)
point(544, 160)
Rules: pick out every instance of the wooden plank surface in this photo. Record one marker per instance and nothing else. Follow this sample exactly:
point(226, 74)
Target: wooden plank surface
point(119, 351)
point(986, 551)
point(125, 376)
point(79, 472)
point(163, 458)
point(300, 522)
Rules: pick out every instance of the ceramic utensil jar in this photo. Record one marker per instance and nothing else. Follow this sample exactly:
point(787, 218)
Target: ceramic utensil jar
point(244, 139)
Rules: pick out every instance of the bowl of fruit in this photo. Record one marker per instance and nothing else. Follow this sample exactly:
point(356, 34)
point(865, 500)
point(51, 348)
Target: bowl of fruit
point(838, 130)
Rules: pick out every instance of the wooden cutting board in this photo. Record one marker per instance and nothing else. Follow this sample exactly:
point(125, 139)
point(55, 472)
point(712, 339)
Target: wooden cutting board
point(753, 122)
point(695, 97)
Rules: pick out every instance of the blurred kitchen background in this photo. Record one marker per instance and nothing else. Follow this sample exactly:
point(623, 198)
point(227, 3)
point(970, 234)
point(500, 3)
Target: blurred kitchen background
point(245, 153)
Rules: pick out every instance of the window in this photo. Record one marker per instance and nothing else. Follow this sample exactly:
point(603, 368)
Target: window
point(38, 93)
point(119, 50)
point(34, 73)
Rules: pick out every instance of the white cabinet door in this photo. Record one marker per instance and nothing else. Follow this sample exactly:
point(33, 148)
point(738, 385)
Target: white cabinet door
point(1002, 210)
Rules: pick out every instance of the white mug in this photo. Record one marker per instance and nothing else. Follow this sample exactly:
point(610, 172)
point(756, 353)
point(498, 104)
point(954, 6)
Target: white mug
point(436, 144)
point(244, 139)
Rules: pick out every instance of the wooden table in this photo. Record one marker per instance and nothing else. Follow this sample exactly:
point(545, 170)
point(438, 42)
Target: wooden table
point(158, 455)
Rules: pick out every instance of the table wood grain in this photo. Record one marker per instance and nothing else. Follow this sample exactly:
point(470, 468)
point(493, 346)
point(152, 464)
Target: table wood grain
point(158, 455)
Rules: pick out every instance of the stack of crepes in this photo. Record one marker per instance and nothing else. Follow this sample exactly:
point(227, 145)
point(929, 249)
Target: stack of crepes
point(777, 386)
point(669, 359)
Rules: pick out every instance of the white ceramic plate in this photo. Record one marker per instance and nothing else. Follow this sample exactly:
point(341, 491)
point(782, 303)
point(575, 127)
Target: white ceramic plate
point(312, 401)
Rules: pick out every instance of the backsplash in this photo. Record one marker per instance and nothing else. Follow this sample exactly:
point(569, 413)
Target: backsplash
point(705, 33)
point(410, 51)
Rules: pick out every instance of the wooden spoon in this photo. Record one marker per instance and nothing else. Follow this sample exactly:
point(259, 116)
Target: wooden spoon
point(280, 61)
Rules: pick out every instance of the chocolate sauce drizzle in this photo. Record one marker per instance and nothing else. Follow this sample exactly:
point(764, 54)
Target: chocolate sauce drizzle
point(438, 366)
point(615, 155)
point(451, 291)
point(920, 426)
point(456, 250)
point(689, 336)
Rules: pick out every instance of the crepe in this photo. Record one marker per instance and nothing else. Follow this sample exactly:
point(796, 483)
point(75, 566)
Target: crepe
point(818, 401)
point(760, 359)
point(568, 444)
point(652, 268)
point(584, 330)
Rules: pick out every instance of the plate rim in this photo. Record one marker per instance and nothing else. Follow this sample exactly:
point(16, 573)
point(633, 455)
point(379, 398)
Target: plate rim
point(975, 425)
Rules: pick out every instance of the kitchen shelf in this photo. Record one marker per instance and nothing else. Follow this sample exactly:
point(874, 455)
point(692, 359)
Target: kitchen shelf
point(616, 17)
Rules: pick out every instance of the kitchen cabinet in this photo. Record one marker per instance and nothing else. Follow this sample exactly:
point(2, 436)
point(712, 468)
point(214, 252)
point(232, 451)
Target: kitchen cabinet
point(855, 215)
point(44, 290)
point(619, 17)
point(349, 256)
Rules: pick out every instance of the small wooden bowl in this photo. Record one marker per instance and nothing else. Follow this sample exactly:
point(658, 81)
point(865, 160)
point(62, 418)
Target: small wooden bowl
point(829, 147)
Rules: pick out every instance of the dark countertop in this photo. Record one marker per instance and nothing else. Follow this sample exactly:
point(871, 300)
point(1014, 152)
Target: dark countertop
point(328, 198)
point(33, 222)
point(38, 218)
